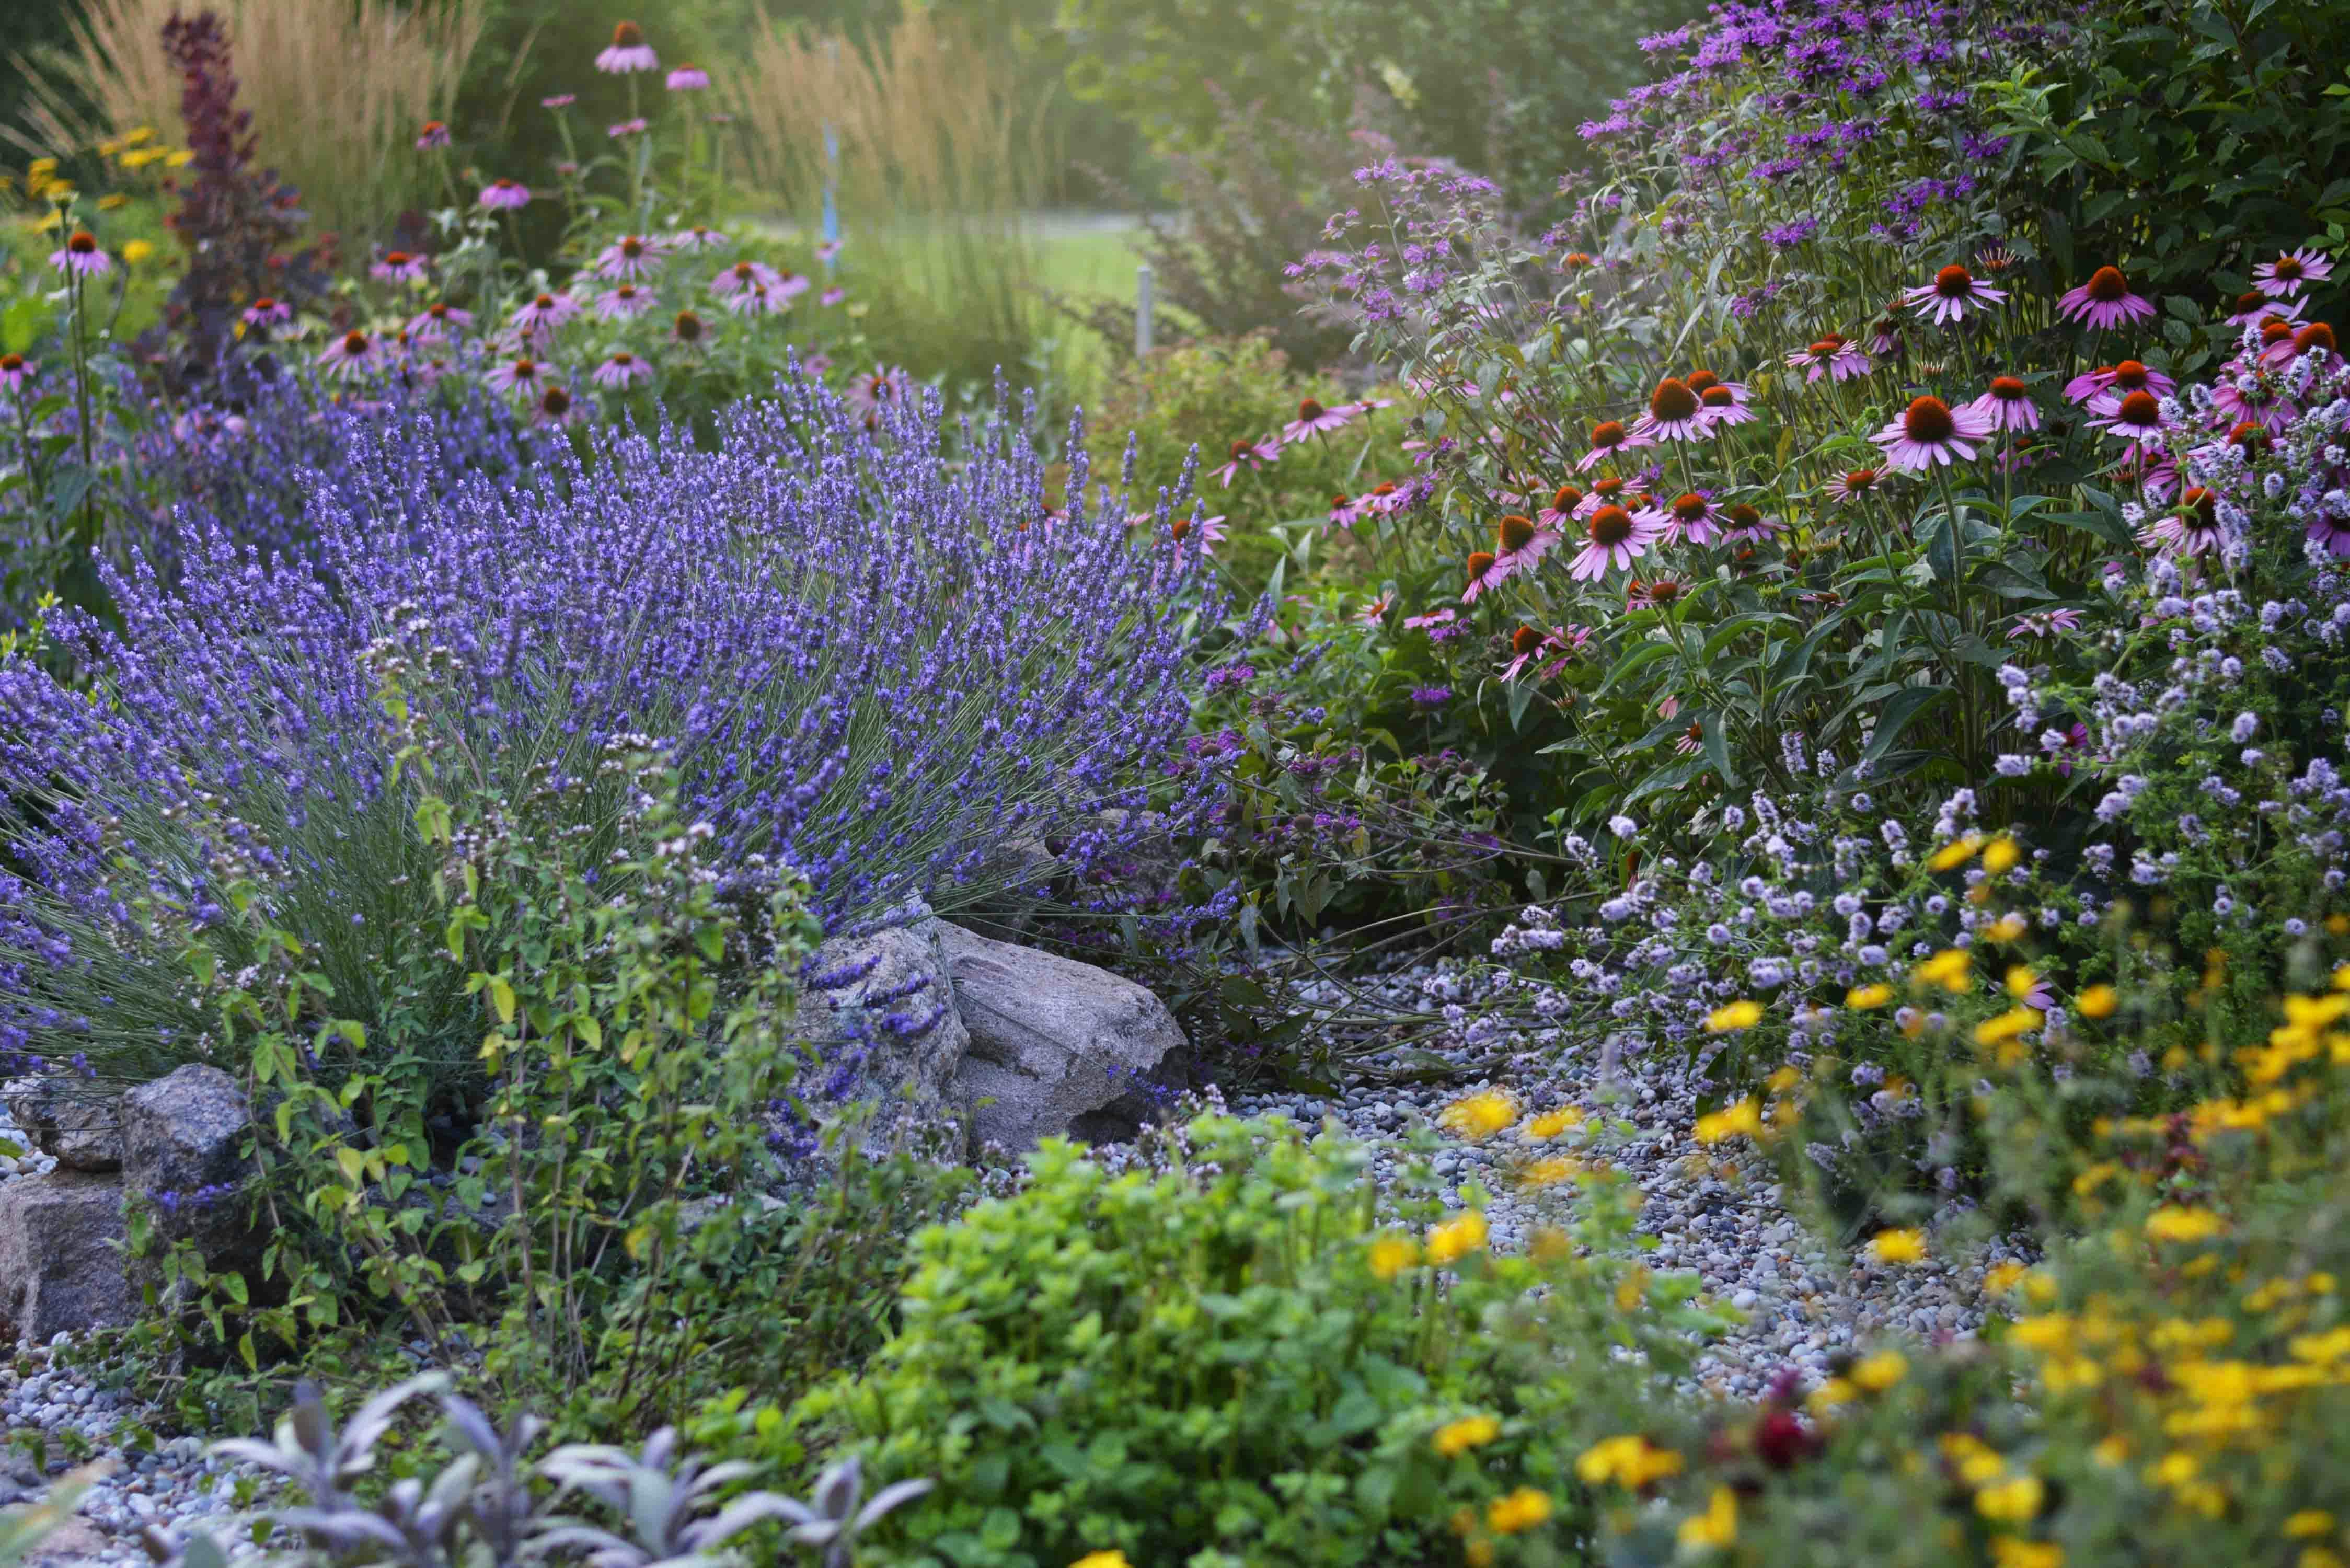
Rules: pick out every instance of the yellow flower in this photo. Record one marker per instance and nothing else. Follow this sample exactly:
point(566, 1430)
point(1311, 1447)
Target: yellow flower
point(2112, 1452)
point(2317, 1557)
point(1457, 1437)
point(1952, 969)
point(179, 159)
point(1744, 1119)
point(2173, 1223)
point(1735, 1015)
point(42, 166)
point(2020, 981)
point(1456, 1239)
point(1550, 1124)
point(2000, 855)
point(1479, 1116)
point(1715, 1528)
point(2001, 1277)
point(1391, 1255)
point(1881, 1371)
point(1102, 1560)
point(2013, 1501)
point(1955, 854)
point(1552, 1171)
point(143, 157)
point(1784, 1078)
point(1897, 1247)
point(112, 201)
point(1835, 1391)
point(2309, 1521)
point(2008, 1026)
point(1863, 997)
point(1522, 1510)
point(138, 251)
point(1629, 1461)
point(2007, 1552)
point(2097, 1002)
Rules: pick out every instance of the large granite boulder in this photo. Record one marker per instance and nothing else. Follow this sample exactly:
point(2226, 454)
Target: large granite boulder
point(65, 1118)
point(884, 1018)
point(61, 1264)
point(183, 1153)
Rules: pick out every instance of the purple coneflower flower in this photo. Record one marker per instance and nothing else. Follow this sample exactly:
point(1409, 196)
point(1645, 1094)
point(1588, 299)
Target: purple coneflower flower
point(816, 365)
point(831, 296)
point(521, 373)
point(16, 371)
point(397, 266)
point(1313, 418)
point(1614, 539)
point(433, 322)
point(1675, 413)
point(698, 238)
point(1559, 515)
point(1251, 455)
point(348, 355)
point(1930, 431)
point(2283, 278)
point(688, 329)
point(627, 52)
point(269, 311)
point(1375, 613)
point(631, 256)
point(1210, 531)
point(2105, 301)
point(636, 127)
point(435, 134)
point(1852, 485)
point(2044, 623)
point(2330, 531)
point(1691, 517)
point(1610, 436)
point(742, 275)
point(1951, 295)
point(688, 79)
point(560, 101)
point(2118, 381)
point(624, 302)
point(1484, 573)
point(1834, 356)
point(1445, 616)
point(756, 299)
point(879, 388)
point(1343, 510)
point(2309, 338)
point(81, 256)
point(505, 193)
point(2137, 418)
point(1518, 542)
point(2253, 309)
point(2191, 530)
point(623, 369)
point(2008, 405)
point(556, 407)
point(789, 284)
point(826, 250)
point(1745, 522)
point(1656, 593)
point(544, 314)
point(1720, 409)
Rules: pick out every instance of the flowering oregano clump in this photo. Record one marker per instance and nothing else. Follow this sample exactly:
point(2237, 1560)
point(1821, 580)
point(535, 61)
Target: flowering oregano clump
point(874, 667)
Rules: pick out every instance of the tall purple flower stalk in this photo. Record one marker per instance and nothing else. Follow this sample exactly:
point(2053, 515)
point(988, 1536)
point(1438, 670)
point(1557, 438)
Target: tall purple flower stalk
point(872, 663)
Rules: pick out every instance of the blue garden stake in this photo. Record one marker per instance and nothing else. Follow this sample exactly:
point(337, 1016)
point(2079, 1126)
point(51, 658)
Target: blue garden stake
point(831, 190)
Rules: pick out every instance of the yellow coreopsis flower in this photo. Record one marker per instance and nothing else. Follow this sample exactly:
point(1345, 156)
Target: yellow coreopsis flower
point(1881, 1371)
point(113, 201)
point(179, 158)
point(2000, 855)
point(1899, 1246)
point(1630, 1461)
point(2015, 1500)
point(1457, 1437)
point(1521, 1510)
point(2012, 1551)
point(1952, 969)
point(1391, 1255)
point(1456, 1239)
point(2001, 1277)
point(1550, 1124)
point(1479, 1116)
point(138, 251)
point(2309, 1521)
point(1744, 1119)
point(2173, 1223)
point(1735, 1015)
point(2097, 1002)
point(1715, 1528)
point(2009, 1025)
point(1102, 1560)
point(1952, 855)
point(1863, 997)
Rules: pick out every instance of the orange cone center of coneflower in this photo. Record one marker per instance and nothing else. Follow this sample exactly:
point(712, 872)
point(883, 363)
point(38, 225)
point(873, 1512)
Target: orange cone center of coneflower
point(502, 184)
point(1575, 258)
point(2316, 335)
point(1384, 487)
point(1609, 489)
point(689, 326)
point(1524, 640)
point(1514, 534)
point(742, 270)
point(632, 248)
point(1307, 409)
point(626, 291)
point(1566, 498)
point(1828, 347)
point(1703, 381)
point(1610, 525)
point(556, 401)
point(1664, 590)
point(265, 303)
point(1240, 449)
point(1179, 527)
point(1718, 397)
point(1671, 400)
point(1689, 508)
point(1694, 733)
point(396, 258)
point(2274, 331)
point(627, 35)
point(525, 370)
point(2287, 268)
point(2141, 409)
point(2202, 504)
point(2107, 286)
point(2246, 433)
point(1480, 563)
point(1742, 515)
point(544, 302)
point(2253, 301)
point(2007, 389)
point(1341, 499)
point(1928, 421)
point(1954, 282)
point(1608, 434)
point(83, 243)
point(1860, 478)
point(11, 363)
point(623, 359)
point(355, 343)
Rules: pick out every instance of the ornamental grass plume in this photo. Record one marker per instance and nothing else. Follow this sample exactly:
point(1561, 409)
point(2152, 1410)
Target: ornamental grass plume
point(865, 665)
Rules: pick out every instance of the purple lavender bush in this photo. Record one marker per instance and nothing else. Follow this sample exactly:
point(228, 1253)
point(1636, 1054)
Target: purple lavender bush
point(874, 665)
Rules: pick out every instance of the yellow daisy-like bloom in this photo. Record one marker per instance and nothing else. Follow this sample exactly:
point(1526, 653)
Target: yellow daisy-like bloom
point(1744, 1119)
point(1881, 1371)
point(1102, 1560)
point(1715, 1528)
point(1550, 1124)
point(1630, 1461)
point(2097, 1002)
point(1835, 1391)
point(1897, 1247)
point(178, 159)
point(138, 251)
point(1552, 1171)
point(1457, 1437)
point(2000, 855)
point(2309, 1521)
point(1953, 856)
point(2318, 1557)
point(2173, 1223)
point(113, 201)
point(2009, 1551)
point(2020, 981)
point(1521, 1510)
point(1477, 1116)
point(1863, 997)
point(2009, 1025)
point(2001, 1277)
point(1391, 1255)
point(1735, 1015)
point(2015, 1500)
point(1456, 1239)
point(1952, 969)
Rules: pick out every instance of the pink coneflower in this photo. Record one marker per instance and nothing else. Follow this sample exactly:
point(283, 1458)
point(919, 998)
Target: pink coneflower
point(2305, 340)
point(348, 355)
point(622, 370)
point(1705, 382)
point(2252, 309)
point(627, 52)
point(2193, 529)
point(1613, 539)
point(1691, 742)
point(1607, 436)
point(521, 373)
point(789, 284)
point(16, 371)
point(435, 134)
point(399, 266)
point(2330, 531)
point(1851, 485)
point(269, 311)
point(689, 79)
point(1834, 356)
point(544, 314)
point(831, 296)
point(1675, 413)
point(1251, 455)
point(1483, 573)
point(2044, 623)
point(2105, 301)
point(636, 127)
point(1721, 408)
point(2008, 404)
point(2264, 404)
point(742, 275)
point(2137, 418)
point(688, 329)
point(1344, 510)
point(1209, 530)
point(1656, 593)
point(1608, 492)
point(826, 250)
point(560, 101)
point(624, 302)
point(756, 299)
point(1518, 542)
point(1365, 406)
point(435, 321)
point(415, 373)
point(816, 365)
point(1951, 295)
point(81, 256)
point(1375, 613)
point(1744, 523)
point(1930, 431)
point(2084, 387)
point(505, 193)
point(1559, 515)
point(879, 388)
point(2283, 278)
point(556, 407)
point(1526, 644)
point(1691, 517)
point(1384, 497)
point(698, 238)
point(1313, 418)
point(1443, 617)
point(631, 256)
